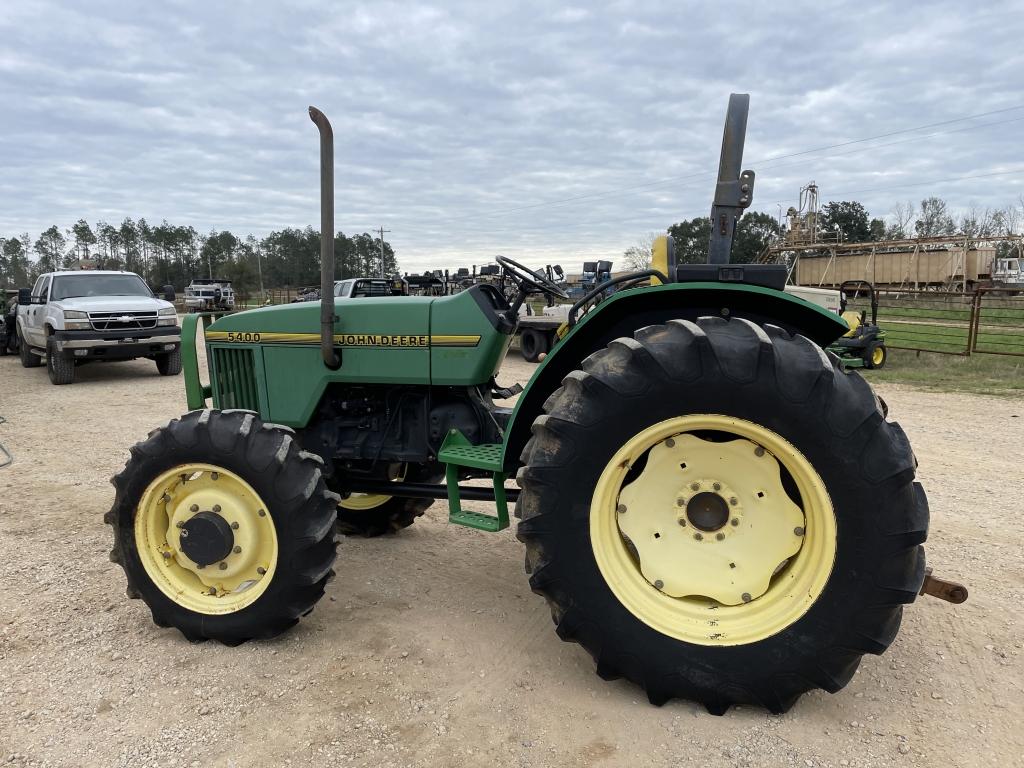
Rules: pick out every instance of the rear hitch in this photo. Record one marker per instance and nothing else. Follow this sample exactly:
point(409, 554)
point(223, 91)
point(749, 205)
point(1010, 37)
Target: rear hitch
point(950, 591)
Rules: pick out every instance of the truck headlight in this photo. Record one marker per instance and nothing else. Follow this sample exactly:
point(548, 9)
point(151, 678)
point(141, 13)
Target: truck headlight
point(167, 316)
point(76, 321)
point(168, 311)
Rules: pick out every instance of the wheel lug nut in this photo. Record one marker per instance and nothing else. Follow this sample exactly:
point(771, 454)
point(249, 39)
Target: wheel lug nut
point(237, 550)
point(179, 524)
point(194, 508)
point(670, 443)
point(215, 475)
point(234, 526)
point(694, 486)
point(717, 486)
point(213, 591)
point(733, 501)
point(799, 531)
point(621, 509)
point(735, 521)
point(682, 522)
point(746, 597)
point(262, 513)
point(216, 508)
point(223, 566)
point(759, 451)
point(166, 554)
point(261, 570)
point(698, 537)
point(720, 536)
point(680, 502)
point(658, 584)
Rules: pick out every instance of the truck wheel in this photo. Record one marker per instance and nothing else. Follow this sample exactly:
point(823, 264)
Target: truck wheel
point(28, 358)
point(223, 526)
point(875, 355)
point(369, 515)
point(753, 526)
point(59, 367)
point(169, 363)
point(533, 343)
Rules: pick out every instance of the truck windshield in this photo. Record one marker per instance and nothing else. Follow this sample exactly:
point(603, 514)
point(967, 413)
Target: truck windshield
point(73, 286)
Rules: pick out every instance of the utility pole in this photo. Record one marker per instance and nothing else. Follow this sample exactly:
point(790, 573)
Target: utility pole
point(382, 231)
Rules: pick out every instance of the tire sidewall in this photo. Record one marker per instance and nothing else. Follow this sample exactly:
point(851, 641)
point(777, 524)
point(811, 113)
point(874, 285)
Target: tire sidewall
point(856, 503)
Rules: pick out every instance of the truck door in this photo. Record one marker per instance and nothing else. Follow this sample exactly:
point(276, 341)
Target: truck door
point(32, 325)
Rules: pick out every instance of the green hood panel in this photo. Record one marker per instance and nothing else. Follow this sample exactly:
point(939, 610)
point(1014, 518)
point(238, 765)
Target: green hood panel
point(382, 340)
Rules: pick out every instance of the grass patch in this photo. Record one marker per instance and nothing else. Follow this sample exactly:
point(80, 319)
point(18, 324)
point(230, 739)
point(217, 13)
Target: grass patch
point(980, 374)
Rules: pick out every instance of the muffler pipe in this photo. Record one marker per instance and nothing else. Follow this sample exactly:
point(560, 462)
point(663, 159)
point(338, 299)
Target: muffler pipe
point(327, 318)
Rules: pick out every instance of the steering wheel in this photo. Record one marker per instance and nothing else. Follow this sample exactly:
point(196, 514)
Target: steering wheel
point(527, 278)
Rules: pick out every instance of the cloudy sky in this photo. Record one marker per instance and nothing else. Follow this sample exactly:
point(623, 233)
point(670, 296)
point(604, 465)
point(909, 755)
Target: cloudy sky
point(544, 132)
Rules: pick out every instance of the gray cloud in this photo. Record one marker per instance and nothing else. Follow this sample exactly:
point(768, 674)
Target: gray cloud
point(467, 129)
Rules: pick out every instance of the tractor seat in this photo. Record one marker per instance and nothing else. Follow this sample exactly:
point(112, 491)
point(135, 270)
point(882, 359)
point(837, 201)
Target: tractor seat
point(853, 319)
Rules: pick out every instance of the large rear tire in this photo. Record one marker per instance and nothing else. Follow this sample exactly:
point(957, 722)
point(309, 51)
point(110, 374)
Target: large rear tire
point(224, 527)
point(718, 512)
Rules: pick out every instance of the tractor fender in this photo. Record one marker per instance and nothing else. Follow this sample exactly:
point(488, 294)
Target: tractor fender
point(628, 311)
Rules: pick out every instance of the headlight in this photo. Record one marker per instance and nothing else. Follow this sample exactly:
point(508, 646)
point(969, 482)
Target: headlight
point(76, 321)
point(167, 321)
point(164, 311)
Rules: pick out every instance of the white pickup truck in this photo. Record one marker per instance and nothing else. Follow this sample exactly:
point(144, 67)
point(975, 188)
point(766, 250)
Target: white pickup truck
point(69, 318)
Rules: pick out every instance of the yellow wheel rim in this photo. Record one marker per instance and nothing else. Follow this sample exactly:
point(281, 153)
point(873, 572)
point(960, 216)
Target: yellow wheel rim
point(361, 502)
point(704, 544)
point(167, 505)
point(878, 355)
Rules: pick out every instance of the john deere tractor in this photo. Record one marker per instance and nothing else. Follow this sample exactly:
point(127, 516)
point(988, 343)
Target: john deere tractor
point(711, 506)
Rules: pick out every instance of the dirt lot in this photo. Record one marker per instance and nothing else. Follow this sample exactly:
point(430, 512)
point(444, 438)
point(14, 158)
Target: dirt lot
point(430, 649)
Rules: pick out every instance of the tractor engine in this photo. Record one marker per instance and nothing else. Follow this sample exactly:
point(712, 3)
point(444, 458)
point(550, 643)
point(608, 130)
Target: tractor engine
point(363, 429)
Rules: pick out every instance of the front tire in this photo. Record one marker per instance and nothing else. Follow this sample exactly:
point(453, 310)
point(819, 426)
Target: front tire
point(169, 363)
point(59, 367)
point(706, 409)
point(258, 518)
point(28, 358)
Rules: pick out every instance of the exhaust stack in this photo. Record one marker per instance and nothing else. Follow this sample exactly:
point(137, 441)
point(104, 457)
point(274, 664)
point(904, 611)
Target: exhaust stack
point(327, 318)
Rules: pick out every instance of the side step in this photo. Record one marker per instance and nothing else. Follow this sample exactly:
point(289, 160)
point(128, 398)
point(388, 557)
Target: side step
point(457, 451)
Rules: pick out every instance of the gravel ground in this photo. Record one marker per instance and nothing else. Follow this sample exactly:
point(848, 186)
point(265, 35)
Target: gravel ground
point(430, 649)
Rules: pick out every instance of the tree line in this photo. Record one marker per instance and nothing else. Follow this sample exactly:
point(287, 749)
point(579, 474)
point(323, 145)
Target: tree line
point(170, 254)
point(848, 219)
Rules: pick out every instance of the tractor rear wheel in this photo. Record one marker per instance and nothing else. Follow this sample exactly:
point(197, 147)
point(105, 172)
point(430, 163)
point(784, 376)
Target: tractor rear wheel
point(224, 527)
point(754, 525)
point(369, 515)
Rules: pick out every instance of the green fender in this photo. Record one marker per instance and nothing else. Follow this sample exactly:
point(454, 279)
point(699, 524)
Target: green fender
point(630, 310)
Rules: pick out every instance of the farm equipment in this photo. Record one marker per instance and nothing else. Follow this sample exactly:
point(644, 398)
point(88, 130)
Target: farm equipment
point(710, 504)
point(863, 346)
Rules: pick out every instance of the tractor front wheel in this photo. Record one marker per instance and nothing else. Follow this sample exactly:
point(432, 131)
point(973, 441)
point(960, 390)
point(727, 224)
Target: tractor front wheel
point(223, 526)
point(718, 512)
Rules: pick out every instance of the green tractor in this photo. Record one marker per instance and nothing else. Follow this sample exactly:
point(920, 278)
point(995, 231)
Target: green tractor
point(711, 506)
point(863, 345)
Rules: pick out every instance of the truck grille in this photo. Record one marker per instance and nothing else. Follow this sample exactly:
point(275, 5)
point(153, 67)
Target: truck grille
point(235, 379)
point(122, 321)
